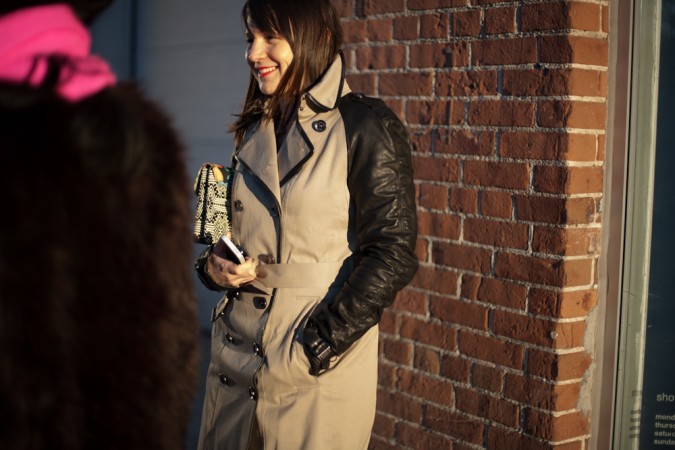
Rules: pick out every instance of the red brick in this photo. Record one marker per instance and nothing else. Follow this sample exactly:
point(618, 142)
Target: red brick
point(426, 360)
point(488, 407)
point(432, 4)
point(414, 437)
point(504, 51)
point(566, 241)
point(504, 113)
point(549, 146)
point(380, 29)
point(605, 19)
point(406, 84)
point(411, 301)
point(373, 7)
point(488, 378)
point(406, 28)
point(557, 367)
point(541, 394)
point(384, 426)
point(435, 280)
point(464, 142)
point(363, 82)
point(506, 439)
point(438, 225)
point(397, 351)
point(545, 271)
point(380, 57)
point(422, 249)
point(463, 257)
point(455, 368)
point(436, 169)
point(399, 406)
point(568, 180)
point(432, 196)
point(492, 350)
point(420, 140)
point(554, 82)
point(434, 25)
point(464, 201)
point(564, 113)
point(557, 211)
point(495, 292)
point(574, 49)
point(429, 112)
point(496, 233)
point(556, 428)
point(468, 84)
point(505, 175)
point(434, 334)
point(438, 55)
point(432, 389)
point(466, 23)
point(524, 328)
point(560, 16)
point(570, 335)
point(354, 31)
point(389, 323)
point(456, 425)
point(496, 204)
point(564, 305)
point(459, 312)
point(500, 20)
point(386, 375)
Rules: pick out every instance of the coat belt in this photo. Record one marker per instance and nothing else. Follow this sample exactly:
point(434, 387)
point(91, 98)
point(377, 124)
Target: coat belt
point(305, 275)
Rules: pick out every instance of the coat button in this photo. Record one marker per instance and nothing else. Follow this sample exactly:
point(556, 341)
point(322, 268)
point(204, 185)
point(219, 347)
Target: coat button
point(260, 302)
point(224, 379)
point(238, 205)
point(274, 211)
point(229, 338)
point(252, 393)
point(256, 349)
point(319, 125)
point(267, 259)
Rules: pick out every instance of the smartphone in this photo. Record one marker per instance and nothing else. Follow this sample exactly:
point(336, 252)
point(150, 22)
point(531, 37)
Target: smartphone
point(232, 252)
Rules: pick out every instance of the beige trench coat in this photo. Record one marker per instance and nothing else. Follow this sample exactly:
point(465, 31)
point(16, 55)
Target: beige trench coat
point(291, 210)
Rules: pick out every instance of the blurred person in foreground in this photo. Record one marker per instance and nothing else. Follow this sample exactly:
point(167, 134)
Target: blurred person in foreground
point(98, 334)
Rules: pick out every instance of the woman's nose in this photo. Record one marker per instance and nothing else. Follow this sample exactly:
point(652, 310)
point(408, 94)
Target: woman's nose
point(255, 52)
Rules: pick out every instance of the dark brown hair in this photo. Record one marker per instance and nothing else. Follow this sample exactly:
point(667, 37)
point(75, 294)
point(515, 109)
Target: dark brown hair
point(312, 29)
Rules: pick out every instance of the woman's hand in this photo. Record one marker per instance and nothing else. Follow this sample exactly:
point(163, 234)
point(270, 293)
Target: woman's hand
point(228, 273)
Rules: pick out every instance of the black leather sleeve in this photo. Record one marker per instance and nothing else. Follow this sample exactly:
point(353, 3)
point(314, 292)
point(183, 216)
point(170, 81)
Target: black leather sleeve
point(383, 194)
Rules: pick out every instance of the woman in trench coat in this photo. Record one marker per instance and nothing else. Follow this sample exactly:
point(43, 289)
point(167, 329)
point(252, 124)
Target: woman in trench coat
point(323, 206)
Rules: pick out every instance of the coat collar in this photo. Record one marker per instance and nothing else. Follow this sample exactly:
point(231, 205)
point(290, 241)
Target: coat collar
point(258, 149)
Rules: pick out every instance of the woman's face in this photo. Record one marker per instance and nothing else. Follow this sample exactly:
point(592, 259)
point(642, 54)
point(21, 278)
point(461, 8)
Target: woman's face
point(268, 55)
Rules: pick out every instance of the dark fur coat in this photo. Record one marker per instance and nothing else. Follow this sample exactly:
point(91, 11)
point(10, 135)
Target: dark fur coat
point(98, 329)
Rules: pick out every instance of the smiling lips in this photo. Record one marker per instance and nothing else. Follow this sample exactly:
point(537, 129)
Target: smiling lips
point(264, 71)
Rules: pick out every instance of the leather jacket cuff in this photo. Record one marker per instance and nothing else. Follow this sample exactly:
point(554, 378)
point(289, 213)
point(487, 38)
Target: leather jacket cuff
point(318, 351)
point(203, 274)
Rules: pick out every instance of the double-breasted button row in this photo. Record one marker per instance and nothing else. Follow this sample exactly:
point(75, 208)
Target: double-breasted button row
point(229, 338)
point(238, 205)
point(257, 350)
point(224, 379)
point(252, 393)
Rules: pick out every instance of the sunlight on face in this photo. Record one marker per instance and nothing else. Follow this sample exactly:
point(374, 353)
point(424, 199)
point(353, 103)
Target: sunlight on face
point(268, 55)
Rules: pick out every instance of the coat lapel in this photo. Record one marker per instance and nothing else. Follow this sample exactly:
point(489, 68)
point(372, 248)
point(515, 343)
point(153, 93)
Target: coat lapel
point(296, 150)
point(259, 154)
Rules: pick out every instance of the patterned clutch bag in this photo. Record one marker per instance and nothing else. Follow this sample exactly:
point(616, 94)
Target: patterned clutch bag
point(212, 214)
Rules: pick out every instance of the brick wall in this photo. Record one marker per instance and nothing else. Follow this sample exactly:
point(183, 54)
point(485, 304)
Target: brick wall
point(505, 102)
